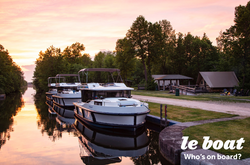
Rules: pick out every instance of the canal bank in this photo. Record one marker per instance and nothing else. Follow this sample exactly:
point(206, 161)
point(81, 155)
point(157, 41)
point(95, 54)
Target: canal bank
point(241, 109)
point(170, 138)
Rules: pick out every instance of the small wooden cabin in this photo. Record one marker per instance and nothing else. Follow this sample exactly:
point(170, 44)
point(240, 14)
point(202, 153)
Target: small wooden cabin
point(217, 81)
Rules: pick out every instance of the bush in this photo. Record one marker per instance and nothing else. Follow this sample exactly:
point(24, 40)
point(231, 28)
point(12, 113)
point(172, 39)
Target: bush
point(2, 91)
point(151, 85)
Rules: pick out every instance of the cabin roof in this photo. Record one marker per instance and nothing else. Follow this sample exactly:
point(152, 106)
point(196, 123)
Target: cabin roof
point(171, 77)
point(219, 79)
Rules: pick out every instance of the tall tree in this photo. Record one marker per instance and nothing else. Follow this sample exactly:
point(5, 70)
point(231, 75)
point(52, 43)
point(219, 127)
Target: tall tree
point(125, 57)
point(235, 44)
point(73, 52)
point(155, 47)
point(167, 41)
point(138, 36)
point(85, 60)
point(48, 64)
point(103, 59)
point(109, 60)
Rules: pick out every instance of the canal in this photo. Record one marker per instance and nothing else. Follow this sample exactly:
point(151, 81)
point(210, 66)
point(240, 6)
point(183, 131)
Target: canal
point(30, 135)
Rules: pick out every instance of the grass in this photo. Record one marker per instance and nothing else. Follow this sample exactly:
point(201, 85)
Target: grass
point(184, 114)
point(225, 130)
point(198, 97)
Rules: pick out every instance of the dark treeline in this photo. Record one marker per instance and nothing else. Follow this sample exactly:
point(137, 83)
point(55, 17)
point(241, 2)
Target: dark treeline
point(155, 48)
point(11, 76)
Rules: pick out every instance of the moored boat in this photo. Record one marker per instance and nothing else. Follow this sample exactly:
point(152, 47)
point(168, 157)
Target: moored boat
point(52, 90)
point(67, 93)
point(110, 105)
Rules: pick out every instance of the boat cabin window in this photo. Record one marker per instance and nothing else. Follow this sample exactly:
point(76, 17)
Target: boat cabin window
point(98, 103)
point(60, 89)
point(91, 95)
point(52, 88)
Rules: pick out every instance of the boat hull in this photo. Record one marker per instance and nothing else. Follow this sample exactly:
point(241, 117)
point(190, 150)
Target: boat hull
point(66, 101)
point(112, 118)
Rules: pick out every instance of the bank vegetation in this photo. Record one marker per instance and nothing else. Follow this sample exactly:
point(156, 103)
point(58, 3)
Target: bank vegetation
point(156, 48)
point(11, 75)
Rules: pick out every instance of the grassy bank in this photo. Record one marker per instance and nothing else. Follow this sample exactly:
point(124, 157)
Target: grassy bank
point(198, 97)
point(225, 130)
point(184, 114)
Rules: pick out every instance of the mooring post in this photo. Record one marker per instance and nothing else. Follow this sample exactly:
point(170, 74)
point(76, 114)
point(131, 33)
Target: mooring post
point(165, 115)
point(161, 113)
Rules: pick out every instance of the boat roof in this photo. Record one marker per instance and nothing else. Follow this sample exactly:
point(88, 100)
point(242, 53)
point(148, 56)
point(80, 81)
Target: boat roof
point(110, 70)
point(50, 81)
point(108, 89)
point(114, 87)
point(51, 77)
point(100, 69)
point(59, 75)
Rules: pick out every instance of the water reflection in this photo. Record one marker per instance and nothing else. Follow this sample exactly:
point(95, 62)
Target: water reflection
point(38, 138)
point(45, 124)
point(50, 124)
point(9, 108)
point(100, 146)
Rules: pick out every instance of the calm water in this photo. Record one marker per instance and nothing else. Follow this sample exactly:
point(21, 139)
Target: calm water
point(29, 135)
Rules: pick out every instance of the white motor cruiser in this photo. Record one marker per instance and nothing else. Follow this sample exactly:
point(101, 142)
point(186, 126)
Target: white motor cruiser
point(67, 93)
point(52, 89)
point(110, 105)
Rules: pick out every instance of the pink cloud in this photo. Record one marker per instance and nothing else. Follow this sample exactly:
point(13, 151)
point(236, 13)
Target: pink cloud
point(28, 26)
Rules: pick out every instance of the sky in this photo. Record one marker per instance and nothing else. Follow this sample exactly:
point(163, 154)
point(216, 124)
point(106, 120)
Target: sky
point(30, 26)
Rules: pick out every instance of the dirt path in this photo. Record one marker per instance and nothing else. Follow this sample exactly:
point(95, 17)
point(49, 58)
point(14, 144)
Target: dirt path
point(242, 109)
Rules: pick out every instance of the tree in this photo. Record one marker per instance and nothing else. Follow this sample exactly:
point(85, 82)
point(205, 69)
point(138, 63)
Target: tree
point(11, 76)
point(125, 57)
point(109, 60)
point(167, 41)
point(178, 59)
point(234, 44)
point(85, 60)
point(53, 62)
point(49, 64)
point(138, 36)
point(155, 47)
point(102, 60)
point(73, 52)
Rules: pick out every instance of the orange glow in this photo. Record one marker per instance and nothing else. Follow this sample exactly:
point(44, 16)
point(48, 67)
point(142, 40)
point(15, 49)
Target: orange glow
point(28, 145)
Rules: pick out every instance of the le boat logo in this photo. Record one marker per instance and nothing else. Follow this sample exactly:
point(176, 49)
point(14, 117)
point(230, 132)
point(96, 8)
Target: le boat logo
point(217, 144)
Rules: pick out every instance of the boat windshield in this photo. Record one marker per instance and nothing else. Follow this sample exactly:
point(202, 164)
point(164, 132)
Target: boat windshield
point(91, 95)
point(61, 89)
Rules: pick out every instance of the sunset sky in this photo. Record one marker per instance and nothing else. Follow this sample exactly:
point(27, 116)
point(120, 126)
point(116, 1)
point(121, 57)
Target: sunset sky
point(30, 26)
